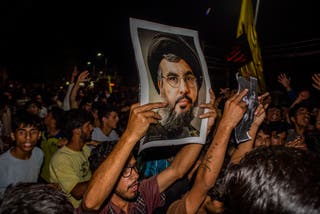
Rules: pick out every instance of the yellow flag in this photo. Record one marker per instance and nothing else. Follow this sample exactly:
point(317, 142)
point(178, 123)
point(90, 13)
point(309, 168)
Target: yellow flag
point(246, 26)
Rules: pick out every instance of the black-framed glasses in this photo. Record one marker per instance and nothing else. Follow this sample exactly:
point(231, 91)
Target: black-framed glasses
point(175, 81)
point(127, 171)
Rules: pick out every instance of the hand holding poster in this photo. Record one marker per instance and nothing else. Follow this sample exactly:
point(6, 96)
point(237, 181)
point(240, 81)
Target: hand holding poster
point(171, 69)
point(251, 99)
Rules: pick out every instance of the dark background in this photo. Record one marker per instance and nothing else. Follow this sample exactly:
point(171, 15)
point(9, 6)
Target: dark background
point(42, 40)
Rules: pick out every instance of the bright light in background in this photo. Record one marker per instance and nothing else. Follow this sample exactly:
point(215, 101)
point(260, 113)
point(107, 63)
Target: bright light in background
point(89, 63)
point(99, 54)
point(67, 83)
point(208, 11)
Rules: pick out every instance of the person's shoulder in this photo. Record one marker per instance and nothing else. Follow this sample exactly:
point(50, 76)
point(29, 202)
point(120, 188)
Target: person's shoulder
point(5, 156)
point(61, 152)
point(96, 130)
point(86, 149)
point(37, 152)
point(61, 157)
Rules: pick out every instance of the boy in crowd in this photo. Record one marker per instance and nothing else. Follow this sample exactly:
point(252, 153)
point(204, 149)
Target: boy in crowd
point(23, 161)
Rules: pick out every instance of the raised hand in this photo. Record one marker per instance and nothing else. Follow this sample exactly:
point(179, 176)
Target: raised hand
point(83, 77)
point(141, 116)
point(211, 114)
point(316, 81)
point(234, 109)
point(285, 81)
point(297, 143)
point(260, 113)
point(74, 73)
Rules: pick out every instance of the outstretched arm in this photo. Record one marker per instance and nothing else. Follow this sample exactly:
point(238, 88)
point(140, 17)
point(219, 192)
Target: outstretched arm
point(106, 176)
point(210, 167)
point(286, 83)
point(83, 76)
point(66, 100)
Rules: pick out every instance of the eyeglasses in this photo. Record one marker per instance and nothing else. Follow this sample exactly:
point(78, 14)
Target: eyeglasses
point(127, 171)
point(175, 81)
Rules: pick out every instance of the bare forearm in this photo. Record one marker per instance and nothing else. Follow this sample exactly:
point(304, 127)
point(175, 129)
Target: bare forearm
point(73, 95)
point(209, 169)
point(106, 176)
point(181, 164)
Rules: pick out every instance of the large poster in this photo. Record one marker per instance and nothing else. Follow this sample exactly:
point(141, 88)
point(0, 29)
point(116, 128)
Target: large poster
point(171, 68)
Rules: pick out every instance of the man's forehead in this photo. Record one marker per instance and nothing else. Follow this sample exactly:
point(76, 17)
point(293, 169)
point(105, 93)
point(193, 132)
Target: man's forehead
point(302, 109)
point(28, 126)
point(174, 73)
point(262, 133)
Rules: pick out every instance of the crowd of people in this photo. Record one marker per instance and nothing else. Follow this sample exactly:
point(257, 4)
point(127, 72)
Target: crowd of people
point(75, 150)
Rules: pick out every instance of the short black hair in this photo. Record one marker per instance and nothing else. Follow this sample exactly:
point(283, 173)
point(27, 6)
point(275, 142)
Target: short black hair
point(73, 119)
point(57, 113)
point(35, 198)
point(100, 153)
point(24, 118)
point(278, 126)
point(105, 110)
point(295, 108)
point(274, 179)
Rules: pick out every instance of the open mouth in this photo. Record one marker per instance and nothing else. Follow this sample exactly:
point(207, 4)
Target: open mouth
point(27, 145)
point(134, 186)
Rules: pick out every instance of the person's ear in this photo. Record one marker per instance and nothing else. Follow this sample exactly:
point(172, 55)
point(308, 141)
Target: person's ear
point(39, 135)
point(12, 136)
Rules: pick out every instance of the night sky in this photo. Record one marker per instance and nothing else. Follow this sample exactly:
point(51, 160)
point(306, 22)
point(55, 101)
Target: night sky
point(42, 40)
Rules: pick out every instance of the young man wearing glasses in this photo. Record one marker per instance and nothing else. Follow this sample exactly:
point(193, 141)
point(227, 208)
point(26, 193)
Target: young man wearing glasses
point(115, 186)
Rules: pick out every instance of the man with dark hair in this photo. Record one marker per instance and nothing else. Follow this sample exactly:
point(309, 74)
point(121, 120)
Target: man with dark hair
point(69, 166)
point(115, 186)
point(176, 73)
point(279, 131)
point(274, 179)
point(109, 119)
point(299, 116)
point(23, 161)
point(35, 198)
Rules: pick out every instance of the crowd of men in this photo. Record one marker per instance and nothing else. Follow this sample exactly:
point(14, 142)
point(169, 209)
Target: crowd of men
point(78, 153)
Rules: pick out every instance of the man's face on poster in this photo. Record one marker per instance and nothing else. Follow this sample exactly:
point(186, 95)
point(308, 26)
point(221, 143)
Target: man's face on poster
point(178, 85)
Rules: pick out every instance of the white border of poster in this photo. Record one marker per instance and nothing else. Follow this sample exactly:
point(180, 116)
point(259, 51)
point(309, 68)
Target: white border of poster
point(141, 34)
